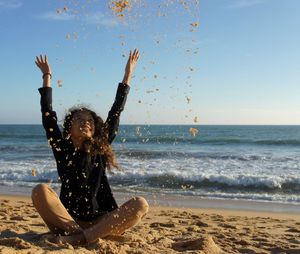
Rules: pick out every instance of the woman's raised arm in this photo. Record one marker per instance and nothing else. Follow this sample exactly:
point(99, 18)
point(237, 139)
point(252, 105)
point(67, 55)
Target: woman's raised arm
point(49, 117)
point(132, 60)
point(113, 119)
point(42, 63)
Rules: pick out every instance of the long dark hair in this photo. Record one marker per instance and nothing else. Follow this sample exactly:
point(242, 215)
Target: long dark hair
point(98, 144)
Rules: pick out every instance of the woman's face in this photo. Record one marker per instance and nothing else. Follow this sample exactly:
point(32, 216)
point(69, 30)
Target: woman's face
point(83, 126)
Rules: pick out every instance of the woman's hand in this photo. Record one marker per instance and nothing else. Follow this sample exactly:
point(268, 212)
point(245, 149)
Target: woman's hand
point(44, 66)
point(132, 60)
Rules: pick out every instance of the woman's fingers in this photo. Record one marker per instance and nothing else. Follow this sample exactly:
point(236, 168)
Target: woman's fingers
point(42, 62)
point(135, 55)
point(42, 59)
point(38, 60)
point(38, 65)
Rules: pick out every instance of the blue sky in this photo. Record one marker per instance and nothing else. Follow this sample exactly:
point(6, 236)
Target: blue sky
point(241, 65)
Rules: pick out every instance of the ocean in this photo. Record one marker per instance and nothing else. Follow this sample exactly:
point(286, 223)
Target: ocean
point(253, 163)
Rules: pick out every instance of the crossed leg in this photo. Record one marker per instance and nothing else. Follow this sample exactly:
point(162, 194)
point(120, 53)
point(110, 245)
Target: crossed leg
point(59, 221)
point(117, 221)
point(52, 211)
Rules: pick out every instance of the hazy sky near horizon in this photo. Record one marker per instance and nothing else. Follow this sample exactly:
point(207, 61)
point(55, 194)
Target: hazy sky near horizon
point(240, 65)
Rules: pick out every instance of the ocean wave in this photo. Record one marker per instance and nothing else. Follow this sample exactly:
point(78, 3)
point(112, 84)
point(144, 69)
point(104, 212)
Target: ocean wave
point(205, 141)
point(164, 139)
point(245, 183)
point(266, 188)
point(155, 154)
point(287, 142)
point(23, 136)
point(239, 183)
point(23, 148)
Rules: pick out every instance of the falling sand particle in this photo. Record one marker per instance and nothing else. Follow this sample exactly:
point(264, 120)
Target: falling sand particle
point(33, 172)
point(193, 131)
point(188, 99)
point(118, 7)
point(138, 131)
point(59, 83)
point(195, 24)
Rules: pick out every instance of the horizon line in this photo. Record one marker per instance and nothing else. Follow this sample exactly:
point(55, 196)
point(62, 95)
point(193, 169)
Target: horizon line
point(187, 124)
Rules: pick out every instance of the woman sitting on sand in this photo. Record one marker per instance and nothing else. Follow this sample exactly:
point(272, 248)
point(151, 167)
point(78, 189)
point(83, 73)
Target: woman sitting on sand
point(86, 209)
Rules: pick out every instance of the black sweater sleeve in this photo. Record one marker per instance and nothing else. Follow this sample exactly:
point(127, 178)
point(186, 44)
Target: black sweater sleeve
point(49, 120)
point(113, 118)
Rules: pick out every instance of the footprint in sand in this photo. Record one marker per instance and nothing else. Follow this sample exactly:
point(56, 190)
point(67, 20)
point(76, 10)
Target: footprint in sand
point(220, 235)
point(118, 238)
point(243, 242)
point(183, 222)
point(200, 223)
point(194, 229)
point(38, 224)
point(293, 230)
point(159, 224)
point(15, 242)
point(163, 213)
point(295, 241)
point(206, 244)
point(260, 239)
point(34, 216)
point(225, 225)
point(195, 216)
point(7, 221)
point(21, 202)
point(264, 245)
point(18, 217)
point(248, 251)
point(277, 250)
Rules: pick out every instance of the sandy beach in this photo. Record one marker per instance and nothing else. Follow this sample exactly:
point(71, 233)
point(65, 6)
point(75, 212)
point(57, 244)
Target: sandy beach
point(163, 230)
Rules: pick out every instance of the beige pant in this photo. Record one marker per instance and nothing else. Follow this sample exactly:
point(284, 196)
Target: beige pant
point(59, 221)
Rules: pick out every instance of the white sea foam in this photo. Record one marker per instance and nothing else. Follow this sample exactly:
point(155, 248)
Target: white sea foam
point(231, 173)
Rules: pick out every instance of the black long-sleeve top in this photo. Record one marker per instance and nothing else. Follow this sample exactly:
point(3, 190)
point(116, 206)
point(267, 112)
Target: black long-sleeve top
point(85, 191)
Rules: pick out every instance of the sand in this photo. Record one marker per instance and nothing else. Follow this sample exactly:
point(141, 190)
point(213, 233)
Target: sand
point(163, 230)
